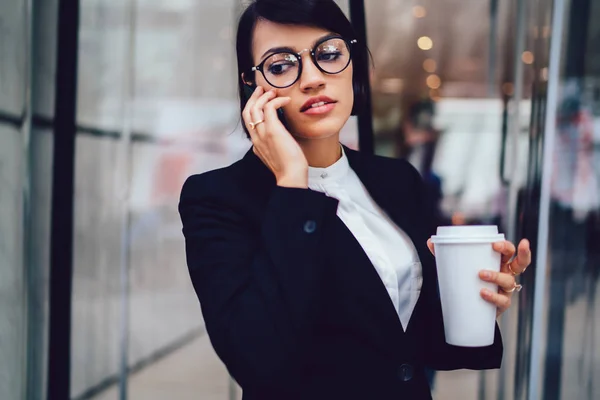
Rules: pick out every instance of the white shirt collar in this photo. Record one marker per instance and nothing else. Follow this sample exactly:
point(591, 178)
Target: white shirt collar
point(334, 172)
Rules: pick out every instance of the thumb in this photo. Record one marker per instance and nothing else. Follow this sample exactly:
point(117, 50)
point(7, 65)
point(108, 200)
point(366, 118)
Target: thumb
point(430, 246)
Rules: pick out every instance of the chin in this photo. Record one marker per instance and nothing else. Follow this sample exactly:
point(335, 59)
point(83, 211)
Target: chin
point(320, 129)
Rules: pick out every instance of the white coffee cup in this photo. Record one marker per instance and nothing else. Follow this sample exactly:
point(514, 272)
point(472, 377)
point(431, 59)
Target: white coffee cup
point(461, 252)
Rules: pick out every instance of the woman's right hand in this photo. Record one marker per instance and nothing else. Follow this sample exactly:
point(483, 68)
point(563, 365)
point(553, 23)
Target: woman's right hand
point(273, 144)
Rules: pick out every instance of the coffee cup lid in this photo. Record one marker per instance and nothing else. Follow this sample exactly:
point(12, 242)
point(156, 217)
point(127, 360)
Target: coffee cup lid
point(467, 234)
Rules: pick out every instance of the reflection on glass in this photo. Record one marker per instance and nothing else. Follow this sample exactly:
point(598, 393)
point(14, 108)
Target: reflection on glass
point(157, 83)
point(572, 329)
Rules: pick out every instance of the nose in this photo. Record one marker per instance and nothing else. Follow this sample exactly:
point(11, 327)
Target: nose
point(312, 78)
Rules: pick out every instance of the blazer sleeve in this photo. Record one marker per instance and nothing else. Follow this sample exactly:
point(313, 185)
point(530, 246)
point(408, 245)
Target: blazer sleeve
point(259, 307)
point(438, 354)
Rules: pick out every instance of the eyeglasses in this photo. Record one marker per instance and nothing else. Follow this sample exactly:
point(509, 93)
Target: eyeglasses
point(283, 68)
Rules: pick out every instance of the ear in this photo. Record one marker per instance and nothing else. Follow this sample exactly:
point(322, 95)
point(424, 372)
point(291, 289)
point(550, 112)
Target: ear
point(249, 83)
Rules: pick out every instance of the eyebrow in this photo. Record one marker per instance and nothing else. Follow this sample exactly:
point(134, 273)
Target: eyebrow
point(292, 50)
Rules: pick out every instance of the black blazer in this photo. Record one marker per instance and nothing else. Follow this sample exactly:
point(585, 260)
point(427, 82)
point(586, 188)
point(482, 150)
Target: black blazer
point(293, 305)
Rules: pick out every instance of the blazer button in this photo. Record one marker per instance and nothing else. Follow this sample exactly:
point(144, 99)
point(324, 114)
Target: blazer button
point(405, 372)
point(310, 226)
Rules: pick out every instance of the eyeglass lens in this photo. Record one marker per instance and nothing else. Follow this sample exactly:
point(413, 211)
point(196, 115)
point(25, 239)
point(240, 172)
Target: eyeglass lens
point(282, 69)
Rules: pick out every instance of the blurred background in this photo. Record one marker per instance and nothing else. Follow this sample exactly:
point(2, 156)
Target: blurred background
point(497, 103)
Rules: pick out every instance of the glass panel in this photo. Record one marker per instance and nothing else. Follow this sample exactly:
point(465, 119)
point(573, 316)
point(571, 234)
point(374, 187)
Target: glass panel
point(13, 181)
point(97, 294)
point(146, 69)
point(193, 41)
point(99, 298)
point(13, 56)
point(13, 310)
point(102, 54)
point(45, 53)
point(524, 193)
point(158, 283)
point(39, 260)
point(571, 362)
point(195, 117)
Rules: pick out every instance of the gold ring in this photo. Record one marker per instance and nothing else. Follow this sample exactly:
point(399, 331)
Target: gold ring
point(517, 287)
point(255, 124)
point(514, 273)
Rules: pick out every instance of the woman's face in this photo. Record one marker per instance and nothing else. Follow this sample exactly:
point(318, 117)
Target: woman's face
point(311, 123)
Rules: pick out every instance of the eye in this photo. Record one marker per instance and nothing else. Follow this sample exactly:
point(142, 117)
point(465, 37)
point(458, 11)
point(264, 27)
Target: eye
point(329, 56)
point(281, 63)
point(280, 67)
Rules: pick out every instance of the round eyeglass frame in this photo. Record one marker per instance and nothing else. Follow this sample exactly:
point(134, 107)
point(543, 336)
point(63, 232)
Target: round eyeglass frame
point(349, 44)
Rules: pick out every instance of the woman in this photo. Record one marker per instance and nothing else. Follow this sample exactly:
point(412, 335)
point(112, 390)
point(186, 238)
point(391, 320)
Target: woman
point(311, 265)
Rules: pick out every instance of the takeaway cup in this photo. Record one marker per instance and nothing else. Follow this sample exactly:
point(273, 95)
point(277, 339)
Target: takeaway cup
point(460, 253)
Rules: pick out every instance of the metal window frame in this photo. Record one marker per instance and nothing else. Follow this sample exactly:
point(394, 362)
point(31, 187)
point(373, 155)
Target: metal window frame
point(62, 202)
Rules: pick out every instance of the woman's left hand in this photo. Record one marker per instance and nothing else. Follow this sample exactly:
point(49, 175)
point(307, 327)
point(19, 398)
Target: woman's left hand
point(509, 269)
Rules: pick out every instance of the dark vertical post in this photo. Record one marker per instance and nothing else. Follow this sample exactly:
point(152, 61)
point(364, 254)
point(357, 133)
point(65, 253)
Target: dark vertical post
point(365, 119)
point(579, 19)
point(61, 228)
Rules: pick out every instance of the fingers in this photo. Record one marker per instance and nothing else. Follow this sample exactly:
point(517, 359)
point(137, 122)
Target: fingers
point(257, 109)
point(264, 108)
point(270, 110)
point(250, 103)
point(500, 300)
point(523, 258)
point(506, 248)
point(430, 246)
point(258, 91)
point(504, 281)
point(520, 262)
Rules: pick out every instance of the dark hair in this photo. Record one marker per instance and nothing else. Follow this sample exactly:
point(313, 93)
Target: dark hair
point(323, 14)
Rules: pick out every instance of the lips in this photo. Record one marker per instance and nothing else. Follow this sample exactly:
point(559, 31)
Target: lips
point(315, 102)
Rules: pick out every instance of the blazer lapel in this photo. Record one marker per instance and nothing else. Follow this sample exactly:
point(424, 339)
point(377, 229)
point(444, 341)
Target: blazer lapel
point(361, 287)
point(378, 179)
point(389, 197)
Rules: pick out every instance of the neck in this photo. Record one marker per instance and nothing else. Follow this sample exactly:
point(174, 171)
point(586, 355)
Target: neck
point(321, 153)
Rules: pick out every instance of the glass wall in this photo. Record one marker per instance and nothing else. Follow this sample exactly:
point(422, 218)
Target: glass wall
point(157, 102)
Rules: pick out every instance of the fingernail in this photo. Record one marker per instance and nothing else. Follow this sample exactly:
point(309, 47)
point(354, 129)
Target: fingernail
point(486, 274)
point(486, 292)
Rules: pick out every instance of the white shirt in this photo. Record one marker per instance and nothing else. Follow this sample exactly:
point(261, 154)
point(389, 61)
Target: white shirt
point(390, 250)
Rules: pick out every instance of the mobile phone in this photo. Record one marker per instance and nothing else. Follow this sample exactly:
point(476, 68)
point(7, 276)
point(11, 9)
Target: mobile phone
point(248, 90)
